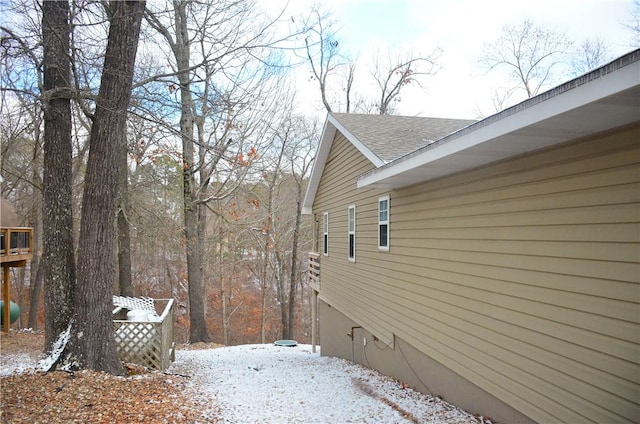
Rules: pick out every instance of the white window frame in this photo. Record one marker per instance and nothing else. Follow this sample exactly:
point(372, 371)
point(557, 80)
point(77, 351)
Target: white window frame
point(325, 234)
point(382, 222)
point(351, 233)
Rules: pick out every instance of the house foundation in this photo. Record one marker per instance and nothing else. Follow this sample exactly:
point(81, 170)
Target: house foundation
point(343, 338)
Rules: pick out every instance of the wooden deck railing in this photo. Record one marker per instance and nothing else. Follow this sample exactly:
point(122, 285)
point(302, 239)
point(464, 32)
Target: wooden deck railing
point(16, 244)
point(16, 248)
point(314, 270)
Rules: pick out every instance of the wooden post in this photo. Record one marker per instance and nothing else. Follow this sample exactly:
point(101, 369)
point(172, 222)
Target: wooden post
point(314, 318)
point(6, 309)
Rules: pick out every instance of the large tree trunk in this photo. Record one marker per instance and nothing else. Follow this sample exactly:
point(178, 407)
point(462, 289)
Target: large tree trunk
point(58, 257)
point(197, 324)
point(92, 344)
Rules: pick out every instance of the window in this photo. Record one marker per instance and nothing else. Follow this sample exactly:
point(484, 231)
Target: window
point(383, 223)
point(325, 237)
point(352, 232)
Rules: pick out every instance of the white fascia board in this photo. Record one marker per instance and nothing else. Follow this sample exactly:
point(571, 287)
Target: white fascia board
point(599, 88)
point(375, 160)
point(326, 140)
point(331, 126)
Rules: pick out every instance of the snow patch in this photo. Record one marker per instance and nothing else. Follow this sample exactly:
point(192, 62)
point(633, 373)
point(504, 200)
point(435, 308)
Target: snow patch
point(267, 383)
point(17, 363)
point(46, 363)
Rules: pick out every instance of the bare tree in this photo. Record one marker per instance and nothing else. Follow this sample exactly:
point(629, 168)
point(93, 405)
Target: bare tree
point(500, 100)
point(590, 54)
point(57, 204)
point(221, 72)
point(327, 58)
point(398, 73)
point(531, 54)
point(124, 286)
point(633, 25)
point(24, 101)
point(331, 69)
point(300, 155)
point(91, 342)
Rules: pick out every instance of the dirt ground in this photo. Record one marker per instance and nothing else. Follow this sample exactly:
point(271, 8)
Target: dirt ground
point(88, 396)
point(17, 342)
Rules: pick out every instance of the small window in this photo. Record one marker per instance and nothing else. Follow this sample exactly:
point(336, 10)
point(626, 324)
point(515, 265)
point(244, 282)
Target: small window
point(352, 232)
point(325, 236)
point(383, 223)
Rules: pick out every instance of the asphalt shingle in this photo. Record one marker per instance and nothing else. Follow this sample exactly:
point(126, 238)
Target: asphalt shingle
point(390, 137)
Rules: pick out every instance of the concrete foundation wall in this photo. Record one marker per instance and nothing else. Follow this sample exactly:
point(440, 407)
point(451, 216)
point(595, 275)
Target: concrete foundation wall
point(405, 363)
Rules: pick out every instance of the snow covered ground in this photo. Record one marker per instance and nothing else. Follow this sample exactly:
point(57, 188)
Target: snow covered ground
point(273, 384)
point(17, 363)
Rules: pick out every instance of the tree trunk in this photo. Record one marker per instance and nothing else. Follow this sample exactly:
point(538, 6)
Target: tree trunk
point(197, 325)
point(92, 344)
point(197, 328)
point(36, 274)
point(264, 287)
point(37, 279)
point(223, 290)
point(125, 285)
point(265, 283)
point(58, 256)
point(280, 292)
point(294, 266)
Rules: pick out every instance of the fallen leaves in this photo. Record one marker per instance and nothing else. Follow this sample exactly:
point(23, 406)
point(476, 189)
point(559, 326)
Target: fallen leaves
point(96, 397)
point(90, 396)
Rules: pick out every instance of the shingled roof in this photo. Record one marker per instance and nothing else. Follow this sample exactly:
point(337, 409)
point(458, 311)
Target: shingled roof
point(391, 137)
point(409, 150)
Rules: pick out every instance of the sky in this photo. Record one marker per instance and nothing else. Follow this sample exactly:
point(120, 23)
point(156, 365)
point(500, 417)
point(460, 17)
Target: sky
point(461, 28)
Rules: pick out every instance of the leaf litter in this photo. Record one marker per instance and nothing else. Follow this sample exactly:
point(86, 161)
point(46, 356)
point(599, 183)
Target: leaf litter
point(213, 384)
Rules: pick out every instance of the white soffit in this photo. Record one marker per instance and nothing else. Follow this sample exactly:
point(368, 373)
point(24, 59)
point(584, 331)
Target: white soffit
point(600, 104)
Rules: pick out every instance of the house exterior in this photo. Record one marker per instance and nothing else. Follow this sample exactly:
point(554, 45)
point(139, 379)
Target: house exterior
point(494, 263)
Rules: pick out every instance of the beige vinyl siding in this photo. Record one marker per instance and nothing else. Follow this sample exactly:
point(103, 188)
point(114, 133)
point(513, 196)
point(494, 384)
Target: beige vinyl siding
point(523, 276)
point(336, 191)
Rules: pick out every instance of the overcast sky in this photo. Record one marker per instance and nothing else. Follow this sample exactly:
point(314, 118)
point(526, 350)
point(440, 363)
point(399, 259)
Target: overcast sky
point(461, 28)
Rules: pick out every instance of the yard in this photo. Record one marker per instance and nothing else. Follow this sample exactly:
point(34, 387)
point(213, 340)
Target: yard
point(212, 384)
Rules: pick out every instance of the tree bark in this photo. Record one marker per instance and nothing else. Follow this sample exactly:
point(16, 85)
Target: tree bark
point(293, 280)
point(197, 324)
point(125, 284)
point(92, 344)
point(36, 274)
point(36, 290)
point(58, 256)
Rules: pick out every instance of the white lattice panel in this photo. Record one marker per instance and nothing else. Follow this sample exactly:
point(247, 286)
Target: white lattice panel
point(135, 303)
point(147, 343)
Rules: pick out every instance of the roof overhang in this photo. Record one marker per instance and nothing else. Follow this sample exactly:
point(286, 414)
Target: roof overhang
point(331, 127)
point(604, 99)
